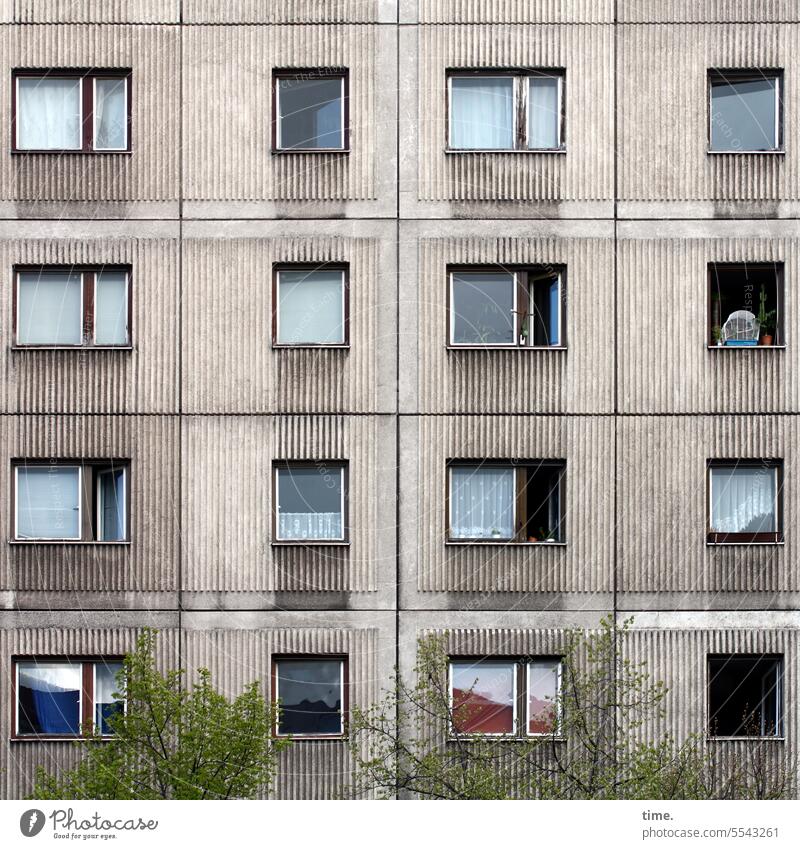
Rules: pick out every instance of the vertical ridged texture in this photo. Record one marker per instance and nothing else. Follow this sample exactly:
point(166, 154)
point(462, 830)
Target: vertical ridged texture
point(142, 380)
point(96, 11)
point(227, 510)
point(515, 11)
point(280, 11)
point(308, 769)
point(21, 759)
point(584, 565)
point(700, 11)
point(150, 562)
point(518, 381)
point(662, 490)
point(228, 109)
point(229, 364)
point(663, 129)
point(585, 172)
point(150, 172)
point(664, 364)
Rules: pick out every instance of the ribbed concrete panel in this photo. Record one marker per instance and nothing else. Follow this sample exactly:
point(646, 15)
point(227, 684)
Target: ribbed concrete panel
point(96, 11)
point(585, 172)
point(229, 364)
point(280, 11)
point(228, 111)
point(661, 472)
point(19, 759)
point(700, 11)
point(514, 11)
point(315, 769)
point(150, 172)
point(150, 562)
point(509, 381)
point(664, 363)
point(662, 157)
point(227, 508)
point(141, 380)
point(583, 565)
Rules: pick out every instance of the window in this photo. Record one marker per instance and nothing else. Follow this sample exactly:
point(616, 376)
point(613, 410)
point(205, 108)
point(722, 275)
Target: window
point(493, 307)
point(745, 304)
point(506, 110)
point(69, 110)
point(71, 500)
point(62, 697)
point(310, 499)
point(745, 501)
point(311, 695)
point(488, 696)
point(311, 306)
point(72, 307)
point(746, 111)
point(311, 110)
point(504, 502)
point(745, 695)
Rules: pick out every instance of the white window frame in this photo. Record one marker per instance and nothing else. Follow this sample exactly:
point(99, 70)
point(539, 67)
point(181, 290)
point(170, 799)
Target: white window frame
point(277, 343)
point(497, 661)
point(719, 75)
point(94, 108)
point(287, 466)
point(559, 105)
point(331, 734)
point(17, 108)
point(747, 464)
point(27, 662)
point(559, 664)
point(99, 498)
point(279, 116)
point(515, 92)
point(450, 511)
point(50, 345)
point(23, 466)
point(97, 274)
point(514, 311)
point(532, 278)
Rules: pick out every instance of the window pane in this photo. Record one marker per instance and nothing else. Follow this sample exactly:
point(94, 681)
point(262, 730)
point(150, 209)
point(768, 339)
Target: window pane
point(111, 490)
point(310, 113)
point(481, 503)
point(483, 697)
point(111, 308)
point(310, 694)
point(542, 694)
point(49, 308)
point(744, 696)
point(310, 503)
point(483, 309)
point(110, 115)
point(48, 113)
point(105, 685)
point(543, 112)
point(482, 113)
point(49, 698)
point(311, 307)
point(743, 115)
point(743, 500)
point(48, 499)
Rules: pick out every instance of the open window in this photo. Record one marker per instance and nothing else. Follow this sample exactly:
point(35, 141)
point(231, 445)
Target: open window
point(311, 306)
point(745, 110)
point(311, 693)
point(71, 501)
point(745, 499)
point(745, 695)
point(493, 501)
point(310, 110)
point(65, 697)
point(310, 502)
point(745, 303)
point(495, 307)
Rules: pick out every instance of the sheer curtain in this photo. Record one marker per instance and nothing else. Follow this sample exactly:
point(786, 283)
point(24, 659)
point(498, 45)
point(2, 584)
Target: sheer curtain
point(481, 503)
point(482, 113)
point(310, 307)
point(310, 503)
point(49, 308)
point(543, 113)
point(48, 113)
point(743, 500)
point(111, 308)
point(310, 526)
point(110, 115)
point(48, 499)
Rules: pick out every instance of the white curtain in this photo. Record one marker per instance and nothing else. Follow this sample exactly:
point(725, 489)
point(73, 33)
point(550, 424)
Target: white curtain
point(49, 308)
point(743, 500)
point(482, 113)
point(110, 115)
point(48, 113)
point(309, 526)
point(310, 307)
point(543, 113)
point(48, 502)
point(481, 503)
point(111, 308)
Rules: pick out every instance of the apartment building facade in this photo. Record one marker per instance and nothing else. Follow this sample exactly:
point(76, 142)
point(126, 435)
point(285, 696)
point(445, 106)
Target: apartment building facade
point(442, 357)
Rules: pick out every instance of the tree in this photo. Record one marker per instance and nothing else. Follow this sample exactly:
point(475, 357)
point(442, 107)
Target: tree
point(172, 742)
point(409, 743)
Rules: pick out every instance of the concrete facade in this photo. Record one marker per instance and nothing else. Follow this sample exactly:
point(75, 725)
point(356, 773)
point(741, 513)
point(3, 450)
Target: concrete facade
point(202, 405)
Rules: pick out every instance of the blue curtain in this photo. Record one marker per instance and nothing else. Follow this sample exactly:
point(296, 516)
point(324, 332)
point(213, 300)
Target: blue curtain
point(50, 712)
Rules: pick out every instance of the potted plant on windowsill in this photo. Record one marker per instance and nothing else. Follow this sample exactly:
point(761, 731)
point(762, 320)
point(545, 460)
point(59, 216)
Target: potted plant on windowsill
point(546, 535)
point(766, 320)
point(716, 332)
point(496, 533)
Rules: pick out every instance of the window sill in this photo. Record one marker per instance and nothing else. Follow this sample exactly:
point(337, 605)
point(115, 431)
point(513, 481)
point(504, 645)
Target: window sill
point(538, 150)
point(101, 542)
point(71, 151)
point(746, 347)
point(505, 542)
point(780, 152)
point(280, 151)
point(310, 346)
point(307, 543)
point(506, 347)
point(316, 738)
point(53, 738)
point(711, 544)
point(749, 738)
point(510, 738)
point(71, 347)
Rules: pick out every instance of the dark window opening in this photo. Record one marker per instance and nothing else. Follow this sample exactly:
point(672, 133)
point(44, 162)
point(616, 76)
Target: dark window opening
point(311, 696)
point(745, 110)
point(310, 109)
point(745, 696)
point(746, 304)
